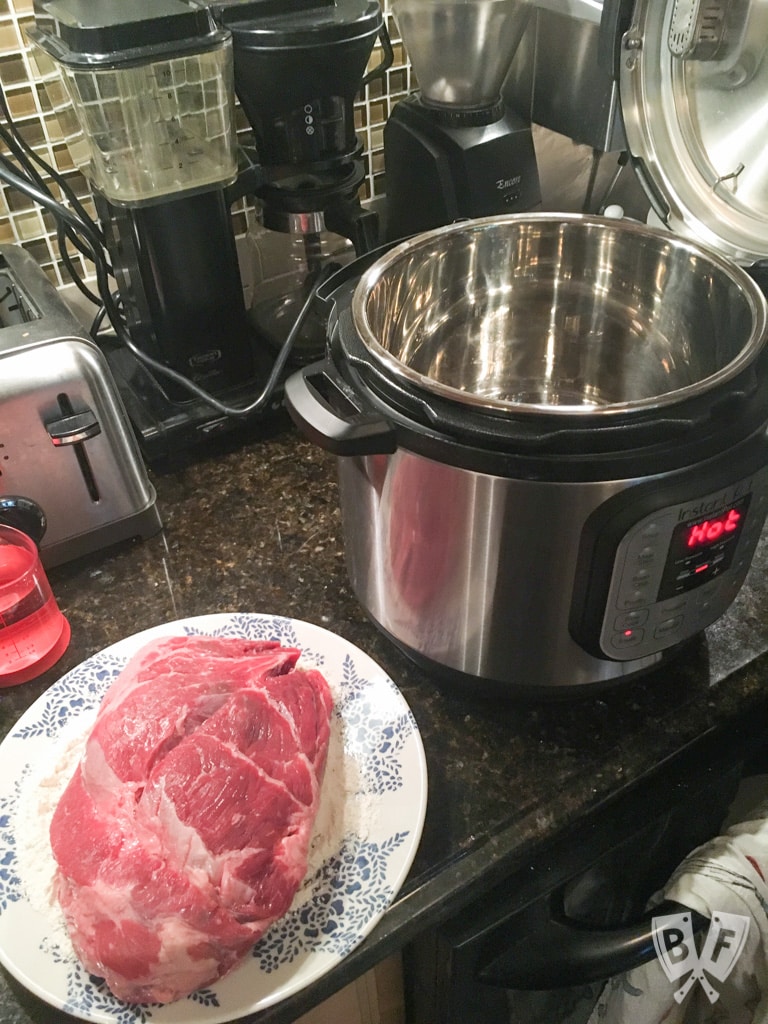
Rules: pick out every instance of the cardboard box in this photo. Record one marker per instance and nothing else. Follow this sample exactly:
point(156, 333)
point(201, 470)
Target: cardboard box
point(374, 998)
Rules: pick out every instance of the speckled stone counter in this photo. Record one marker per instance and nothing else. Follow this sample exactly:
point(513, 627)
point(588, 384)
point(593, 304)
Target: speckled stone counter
point(256, 527)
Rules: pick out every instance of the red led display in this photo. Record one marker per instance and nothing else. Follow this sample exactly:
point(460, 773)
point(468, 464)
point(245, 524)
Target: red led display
point(703, 549)
point(712, 530)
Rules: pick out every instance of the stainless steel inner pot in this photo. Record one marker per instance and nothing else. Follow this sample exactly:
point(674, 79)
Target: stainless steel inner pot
point(567, 313)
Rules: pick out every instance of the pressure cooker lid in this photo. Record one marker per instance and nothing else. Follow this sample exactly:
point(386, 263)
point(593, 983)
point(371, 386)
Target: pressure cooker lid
point(693, 82)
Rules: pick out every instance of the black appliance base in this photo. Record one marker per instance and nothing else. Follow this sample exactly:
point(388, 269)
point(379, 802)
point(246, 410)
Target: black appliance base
point(439, 173)
point(484, 689)
point(165, 426)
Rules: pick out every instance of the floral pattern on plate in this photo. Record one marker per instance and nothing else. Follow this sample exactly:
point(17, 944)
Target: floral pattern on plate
point(364, 856)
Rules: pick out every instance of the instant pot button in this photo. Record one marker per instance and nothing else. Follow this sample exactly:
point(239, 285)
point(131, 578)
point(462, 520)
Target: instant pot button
point(668, 626)
point(710, 598)
point(631, 620)
point(707, 592)
point(633, 599)
point(650, 531)
point(741, 565)
point(627, 638)
point(646, 554)
point(641, 578)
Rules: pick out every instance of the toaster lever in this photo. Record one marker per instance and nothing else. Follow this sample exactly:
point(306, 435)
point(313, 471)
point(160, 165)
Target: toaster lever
point(73, 429)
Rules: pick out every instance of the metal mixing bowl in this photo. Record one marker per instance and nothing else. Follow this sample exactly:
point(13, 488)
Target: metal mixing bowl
point(568, 313)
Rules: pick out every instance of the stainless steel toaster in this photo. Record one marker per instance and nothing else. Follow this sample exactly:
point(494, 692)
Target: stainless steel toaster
point(65, 439)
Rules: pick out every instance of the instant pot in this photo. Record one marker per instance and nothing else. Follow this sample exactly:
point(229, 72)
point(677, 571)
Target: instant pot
point(551, 433)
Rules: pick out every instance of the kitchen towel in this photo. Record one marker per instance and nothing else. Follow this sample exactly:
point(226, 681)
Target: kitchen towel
point(723, 977)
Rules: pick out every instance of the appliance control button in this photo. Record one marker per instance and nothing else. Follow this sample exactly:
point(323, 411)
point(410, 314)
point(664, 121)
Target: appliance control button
point(73, 429)
point(668, 626)
point(627, 638)
point(641, 578)
point(674, 604)
point(707, 592)
point(650, 531)
point(631, 620)
point(713, 601)
point(633, 599)
point(646, 554)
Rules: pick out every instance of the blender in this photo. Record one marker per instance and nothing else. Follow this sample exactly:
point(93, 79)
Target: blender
point(145, 95)
point(299, 65)
point(453, 149)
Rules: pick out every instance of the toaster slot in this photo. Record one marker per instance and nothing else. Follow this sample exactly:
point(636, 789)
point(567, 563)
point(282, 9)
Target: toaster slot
point(72, 430)
point(15, 308)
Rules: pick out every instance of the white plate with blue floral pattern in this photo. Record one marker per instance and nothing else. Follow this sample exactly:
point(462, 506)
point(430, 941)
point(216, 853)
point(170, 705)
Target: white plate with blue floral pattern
point(367, 831)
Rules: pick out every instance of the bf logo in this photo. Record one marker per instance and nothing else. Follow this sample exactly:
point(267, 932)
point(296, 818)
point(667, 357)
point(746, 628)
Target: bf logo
point(675, 947)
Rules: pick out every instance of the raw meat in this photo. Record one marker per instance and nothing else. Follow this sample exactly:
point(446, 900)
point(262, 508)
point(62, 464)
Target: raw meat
point(184, 832)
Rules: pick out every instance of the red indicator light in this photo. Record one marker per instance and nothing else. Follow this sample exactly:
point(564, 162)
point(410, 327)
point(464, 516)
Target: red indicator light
point(701, 568)
point(628, 632)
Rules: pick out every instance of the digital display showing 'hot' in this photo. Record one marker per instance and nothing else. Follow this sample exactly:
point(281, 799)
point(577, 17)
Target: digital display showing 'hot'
point(701, 550)
point(712, 530)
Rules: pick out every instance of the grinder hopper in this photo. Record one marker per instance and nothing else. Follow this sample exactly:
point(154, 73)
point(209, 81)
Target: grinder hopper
point(453, 150)
point(461, 51)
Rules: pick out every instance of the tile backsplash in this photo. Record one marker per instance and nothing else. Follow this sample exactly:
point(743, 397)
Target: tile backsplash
point(24, 222)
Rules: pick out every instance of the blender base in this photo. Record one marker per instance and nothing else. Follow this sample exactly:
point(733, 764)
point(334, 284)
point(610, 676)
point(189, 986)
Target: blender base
point(165, 426)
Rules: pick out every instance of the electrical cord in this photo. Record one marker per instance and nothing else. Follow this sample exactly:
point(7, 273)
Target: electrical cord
point(278, 366)
point(26, 157)
point(63, 231)
point(98, 320)
point(25, 154)
point(118, 325)
point(85, 234)
point(46, 200)
point(62, 234)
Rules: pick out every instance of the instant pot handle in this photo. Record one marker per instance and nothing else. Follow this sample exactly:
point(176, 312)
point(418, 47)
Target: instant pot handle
point(566, 952)
point(330, 414)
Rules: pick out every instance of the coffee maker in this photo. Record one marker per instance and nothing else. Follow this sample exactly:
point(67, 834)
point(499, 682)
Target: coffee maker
point(299, 65)
point(453, 149)
point(145, 93)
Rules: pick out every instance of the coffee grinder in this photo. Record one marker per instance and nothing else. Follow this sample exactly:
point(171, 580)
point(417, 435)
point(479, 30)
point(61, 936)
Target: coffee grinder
point(145, 94)
point(299, 64)
point(453, 149)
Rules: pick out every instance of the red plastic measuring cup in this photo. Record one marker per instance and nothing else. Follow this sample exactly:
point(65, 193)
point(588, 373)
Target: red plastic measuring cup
point(33, 632)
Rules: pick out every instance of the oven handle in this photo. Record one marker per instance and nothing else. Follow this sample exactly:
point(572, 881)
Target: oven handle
point(561, 952)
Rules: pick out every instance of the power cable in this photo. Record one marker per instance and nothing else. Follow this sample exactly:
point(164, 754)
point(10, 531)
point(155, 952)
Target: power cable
point(85, 234)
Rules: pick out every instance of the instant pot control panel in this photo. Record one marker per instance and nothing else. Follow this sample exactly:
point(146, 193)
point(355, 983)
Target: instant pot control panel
point(644, 587)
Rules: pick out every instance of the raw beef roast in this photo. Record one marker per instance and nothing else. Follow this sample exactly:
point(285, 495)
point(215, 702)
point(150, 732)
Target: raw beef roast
point(185, 829)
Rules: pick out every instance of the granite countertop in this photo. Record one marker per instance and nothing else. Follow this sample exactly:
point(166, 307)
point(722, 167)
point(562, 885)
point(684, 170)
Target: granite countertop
point(255, 526)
